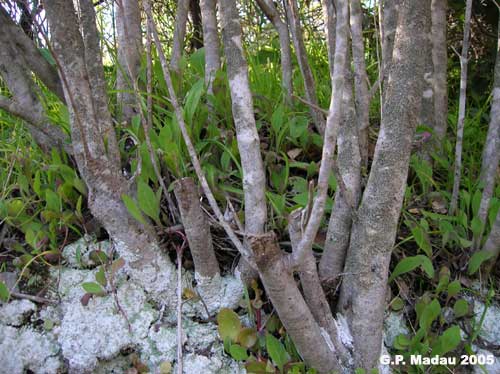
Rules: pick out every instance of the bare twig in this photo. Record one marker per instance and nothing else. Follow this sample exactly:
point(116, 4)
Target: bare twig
point(311, 105)
point(36, 299)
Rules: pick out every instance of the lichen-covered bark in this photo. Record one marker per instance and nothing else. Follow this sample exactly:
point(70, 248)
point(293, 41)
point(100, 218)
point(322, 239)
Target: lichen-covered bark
point(254, 181)
point(274, 16)
point(292, 14)
point(210, 41)
point(440, 65)
point(364, 285)
point(389, 12)
point(29, 54)
point(349, 166)
point(491, 153)
point(196, 228)
point(129, 50)
point(136, 243)
point(179, 34)
point(492, 244)
point(427, 107)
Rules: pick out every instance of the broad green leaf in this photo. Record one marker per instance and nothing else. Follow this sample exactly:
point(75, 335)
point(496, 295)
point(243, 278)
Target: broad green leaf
point(133, 209)
point(476, 226)
point(238, 352)
point(193, 99)
point(410, 263)
point(93, 288)
point(477, 259)
point(147, 201)
point(397, 303)
point(229, 324)
point(53, 201)
point(430, 313)
point(100, 277)
point(461, 308)
point(247, 337)
point(4, 292)
point(448, 341)
point(422, 239)
point(277, 352)
point(454, 288)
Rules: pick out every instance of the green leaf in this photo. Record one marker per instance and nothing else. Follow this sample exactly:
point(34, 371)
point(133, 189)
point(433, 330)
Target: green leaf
point(93, 288)
point(100, 277)
point(410, 263)
point(276, 351)
point(448, 341)
point(476, 226)
point(454, 288)
point(229, 324)
point(461, 308)
point(397, 303)
point(53, 201)
point(133, 209)
point(147, 201)
point(4, 292)
point(477, 259)
point(422, 239)
point(247, 337)
point(430, 313)
point(193, 99)
point(238, 352)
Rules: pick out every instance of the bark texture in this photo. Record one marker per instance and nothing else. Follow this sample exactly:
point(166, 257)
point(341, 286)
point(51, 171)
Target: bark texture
point(179, 34)
point(389, 13)
point(329, 15)
point(292, 14)
point(492, 244)
point(210, 42)
point(440, 65)
point(364, 286)
point(272, 13)
point(254, 180)
point(136, 243)
point(129, 38)
point(491, 153)
point(196, 228)
point(457, 175)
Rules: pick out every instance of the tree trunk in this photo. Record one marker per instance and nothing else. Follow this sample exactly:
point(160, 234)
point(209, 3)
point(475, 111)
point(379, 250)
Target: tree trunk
point(292, 14)
point(329, 15)
point(491, 153)
point(195, 12)
point(372, 237)
point(136, 243)
point(271, 12)
point(179, 34)
point(210, 42)
point(457, 175)
point(440, 65)
point(129, 50)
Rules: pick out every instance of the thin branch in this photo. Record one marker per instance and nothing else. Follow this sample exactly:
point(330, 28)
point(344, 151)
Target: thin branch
point(311, 105)
point(36, 299)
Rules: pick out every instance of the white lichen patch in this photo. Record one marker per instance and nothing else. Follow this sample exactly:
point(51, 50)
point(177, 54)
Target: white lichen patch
point(394, 325)
point(490, 328)
point(16, 312)
point(77, 254)
point(26, 349)
point(219, 292)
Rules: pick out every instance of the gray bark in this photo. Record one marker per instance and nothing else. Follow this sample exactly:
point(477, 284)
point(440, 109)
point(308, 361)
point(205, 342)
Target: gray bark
point(210, 41)
point(29, 55)
point(360, 78)
point(292, 14)
point(461, 109)
point(440, 65)
point(329, 15)
point(427, 109)
point(349, 167)
point(389, 13)
point(491, 153)
point(372, 236)
point(274, 16)
point(181, 17)
point(196, 228)
point(129, 50)
point(492, 244)
point(254, 180)
point(136, 243)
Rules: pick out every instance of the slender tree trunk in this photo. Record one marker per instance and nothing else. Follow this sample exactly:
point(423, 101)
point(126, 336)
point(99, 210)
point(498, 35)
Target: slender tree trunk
point(272, 13)
point(427, 109)
point(210, 42)
point(179, 34)
point(389, 14)
point(77, 61)
point(360, 78)
point(292, 14)
point(349, 167)
point(440, 65)
point(329, 15)
point(492, 244)
point(491, 153)
point(457, 175)
point(129, 38)
point(372, 236)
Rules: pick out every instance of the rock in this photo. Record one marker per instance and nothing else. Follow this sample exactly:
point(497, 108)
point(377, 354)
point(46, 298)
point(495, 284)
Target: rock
point(16, 312)
point(394, 325)
point(24, 348)
point(99, 331)
point(77, 254)
point(215, 364)
point(490, 369)
point(490, 328)
point(219, 292)
point(10, 280)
